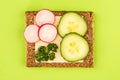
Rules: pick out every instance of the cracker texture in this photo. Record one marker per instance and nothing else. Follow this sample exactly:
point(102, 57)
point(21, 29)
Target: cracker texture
point(88, 61)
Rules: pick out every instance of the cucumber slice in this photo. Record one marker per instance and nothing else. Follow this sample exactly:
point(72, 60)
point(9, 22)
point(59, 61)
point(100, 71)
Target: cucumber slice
point(74, 47)
point(72, 22)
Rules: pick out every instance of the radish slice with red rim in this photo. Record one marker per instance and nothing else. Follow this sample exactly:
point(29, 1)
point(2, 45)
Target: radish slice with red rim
point(47, 32)
point(44, 16)
point(31, 34)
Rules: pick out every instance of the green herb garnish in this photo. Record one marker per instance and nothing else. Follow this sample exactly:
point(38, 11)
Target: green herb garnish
point(42, 49)
point(46, 53)
point(51, 56)
point(52, 47)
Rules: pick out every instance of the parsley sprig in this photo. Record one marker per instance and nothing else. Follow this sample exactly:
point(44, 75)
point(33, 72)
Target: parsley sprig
point(46, 53)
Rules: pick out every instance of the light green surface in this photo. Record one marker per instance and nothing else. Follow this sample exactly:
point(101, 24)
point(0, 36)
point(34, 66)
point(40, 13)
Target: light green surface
point(107, 40)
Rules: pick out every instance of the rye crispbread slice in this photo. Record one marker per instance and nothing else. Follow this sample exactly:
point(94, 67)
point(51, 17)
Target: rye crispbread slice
point(88, 61)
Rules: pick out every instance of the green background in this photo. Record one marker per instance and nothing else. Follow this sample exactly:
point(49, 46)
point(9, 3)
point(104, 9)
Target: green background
point(106, 32)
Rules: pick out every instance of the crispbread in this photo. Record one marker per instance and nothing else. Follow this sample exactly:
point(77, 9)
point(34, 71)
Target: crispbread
point(88, 61)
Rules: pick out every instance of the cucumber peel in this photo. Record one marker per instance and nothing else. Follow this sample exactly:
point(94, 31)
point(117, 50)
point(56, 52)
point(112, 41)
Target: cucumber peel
point(74, 47)
point(72, 22)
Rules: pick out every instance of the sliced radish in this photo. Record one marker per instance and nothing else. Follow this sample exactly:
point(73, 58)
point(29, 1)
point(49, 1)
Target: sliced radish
point(44, 16)
point(47, 32)
point(31, 33)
